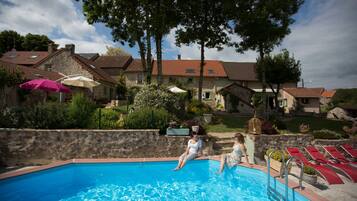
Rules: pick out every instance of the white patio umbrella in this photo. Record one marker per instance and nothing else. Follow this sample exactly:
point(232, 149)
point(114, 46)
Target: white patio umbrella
point(175, 89)
point(80, 81)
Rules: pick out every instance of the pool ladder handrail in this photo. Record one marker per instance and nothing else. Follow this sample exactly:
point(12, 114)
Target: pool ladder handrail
point(286, 173)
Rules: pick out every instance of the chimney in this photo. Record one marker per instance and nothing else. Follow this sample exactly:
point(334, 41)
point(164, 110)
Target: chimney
point(69, 48)
point(52, 48)
point(179, 57)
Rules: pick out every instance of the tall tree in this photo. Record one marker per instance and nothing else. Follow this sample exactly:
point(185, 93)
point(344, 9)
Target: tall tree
point(9, 40)
point(34, 42)
point(115, 51)
point(129, 21)
point(163, 17)
point(262, 25)
point(205, 23)
point(281, 68)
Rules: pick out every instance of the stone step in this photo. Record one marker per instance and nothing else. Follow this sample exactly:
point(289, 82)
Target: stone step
point(225, 142)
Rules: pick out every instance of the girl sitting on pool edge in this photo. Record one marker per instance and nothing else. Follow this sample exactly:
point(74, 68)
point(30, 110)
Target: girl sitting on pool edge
point(234, 158)
point(193, 150)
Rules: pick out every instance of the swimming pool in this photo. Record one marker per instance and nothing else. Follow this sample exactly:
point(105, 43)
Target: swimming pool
point(141, 181)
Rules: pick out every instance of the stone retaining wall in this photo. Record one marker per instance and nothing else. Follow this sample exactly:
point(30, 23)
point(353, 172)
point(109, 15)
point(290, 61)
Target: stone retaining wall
point(19, 146)
point(258, 144)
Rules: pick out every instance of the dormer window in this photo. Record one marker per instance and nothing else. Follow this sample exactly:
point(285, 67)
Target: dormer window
point(190, 70)
point(210, 71)
point(33, 56)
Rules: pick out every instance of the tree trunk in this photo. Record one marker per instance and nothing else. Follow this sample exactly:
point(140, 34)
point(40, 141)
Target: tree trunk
point(264, 96)
point(158, 40)
point(148, 58)
point(200, 82)
point(142, 52)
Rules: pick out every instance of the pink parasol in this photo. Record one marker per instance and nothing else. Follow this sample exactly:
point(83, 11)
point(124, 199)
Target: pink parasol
point(45, 85)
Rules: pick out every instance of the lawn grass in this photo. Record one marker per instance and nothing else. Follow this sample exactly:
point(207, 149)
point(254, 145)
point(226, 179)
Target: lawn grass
point(233, 123)
point(315, 123)
point(228, 123)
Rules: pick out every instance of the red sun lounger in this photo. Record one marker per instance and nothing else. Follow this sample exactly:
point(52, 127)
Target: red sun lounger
point(347, 170)
point(350, 150)
point(330, 176)
point(337, 155)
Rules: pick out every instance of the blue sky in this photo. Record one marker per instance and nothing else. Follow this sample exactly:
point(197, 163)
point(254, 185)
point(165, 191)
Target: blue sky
point(323, 37)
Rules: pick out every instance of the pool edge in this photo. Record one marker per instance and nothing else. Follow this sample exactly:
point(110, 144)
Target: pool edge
point(311, 195)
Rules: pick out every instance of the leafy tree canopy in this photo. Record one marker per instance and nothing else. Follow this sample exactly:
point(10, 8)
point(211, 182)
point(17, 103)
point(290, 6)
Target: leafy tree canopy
point(9, 40)
point(345, 97)
point(280, 68)
point(204, 22)
point(115, 51)
point(31, 42)
point(34, 42)
point(263, 24)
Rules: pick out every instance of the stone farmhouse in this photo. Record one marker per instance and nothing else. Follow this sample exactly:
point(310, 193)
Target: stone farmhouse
point(227, 85)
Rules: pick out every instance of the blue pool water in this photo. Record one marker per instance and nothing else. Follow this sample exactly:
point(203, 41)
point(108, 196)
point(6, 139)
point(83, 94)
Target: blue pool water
point(141, 181)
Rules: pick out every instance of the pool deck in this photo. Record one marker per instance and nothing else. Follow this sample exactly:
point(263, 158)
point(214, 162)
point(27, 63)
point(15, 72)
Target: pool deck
point(347, 191)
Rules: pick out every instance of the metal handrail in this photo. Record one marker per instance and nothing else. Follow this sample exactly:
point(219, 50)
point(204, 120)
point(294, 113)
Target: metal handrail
point(287, 173)
point(269, 156)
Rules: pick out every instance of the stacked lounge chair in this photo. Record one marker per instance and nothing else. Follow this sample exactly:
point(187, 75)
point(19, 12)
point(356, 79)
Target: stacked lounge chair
point(345, 169)
point(329, 175)
point(337, 155)
point(350, 150)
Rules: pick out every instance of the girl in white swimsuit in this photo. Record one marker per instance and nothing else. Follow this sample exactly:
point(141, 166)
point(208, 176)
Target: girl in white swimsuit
point(194, 146)
point(234, 158)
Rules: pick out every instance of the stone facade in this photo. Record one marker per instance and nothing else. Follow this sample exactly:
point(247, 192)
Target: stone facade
point(67, 65)
point(19, 146)
point(291, 104)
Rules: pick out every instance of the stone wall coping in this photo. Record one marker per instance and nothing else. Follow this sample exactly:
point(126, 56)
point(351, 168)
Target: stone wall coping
point(80, 130)
point(277, 135)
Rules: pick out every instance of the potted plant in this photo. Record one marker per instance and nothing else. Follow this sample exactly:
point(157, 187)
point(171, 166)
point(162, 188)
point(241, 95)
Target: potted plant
point(276, 159)
point(304, 128)
point(310, 175)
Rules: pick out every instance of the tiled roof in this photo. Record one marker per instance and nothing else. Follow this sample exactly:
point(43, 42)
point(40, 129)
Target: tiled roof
point(305, 92)
point(90, 56)
point(135, 66)
point(328, 93)
point(121, 61)
point(30, 73)
point(93, 69)
point(242, 71)
point(24, 57)
point(191, 68)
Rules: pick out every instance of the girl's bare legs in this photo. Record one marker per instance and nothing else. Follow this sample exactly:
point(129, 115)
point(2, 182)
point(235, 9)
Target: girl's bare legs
point(179, 165)
point(223, 161)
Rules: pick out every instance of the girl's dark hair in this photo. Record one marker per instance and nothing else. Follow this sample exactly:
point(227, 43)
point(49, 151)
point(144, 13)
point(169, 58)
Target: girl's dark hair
point(239, 137)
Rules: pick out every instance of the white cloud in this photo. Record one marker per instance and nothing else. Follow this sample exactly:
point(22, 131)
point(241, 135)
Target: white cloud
point(48, 17)
point(324, 38)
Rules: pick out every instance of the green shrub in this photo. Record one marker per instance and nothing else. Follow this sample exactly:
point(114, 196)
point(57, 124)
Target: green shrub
point(147, 118)
point(277, 155)
point(198, 108)
point(277, 122)
point(309, 170)
point(12, 117)
point(80, 111)
point(131, 92)
point(328, 134)
point(158, 97)
point(104, 118)
point(49, 115)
